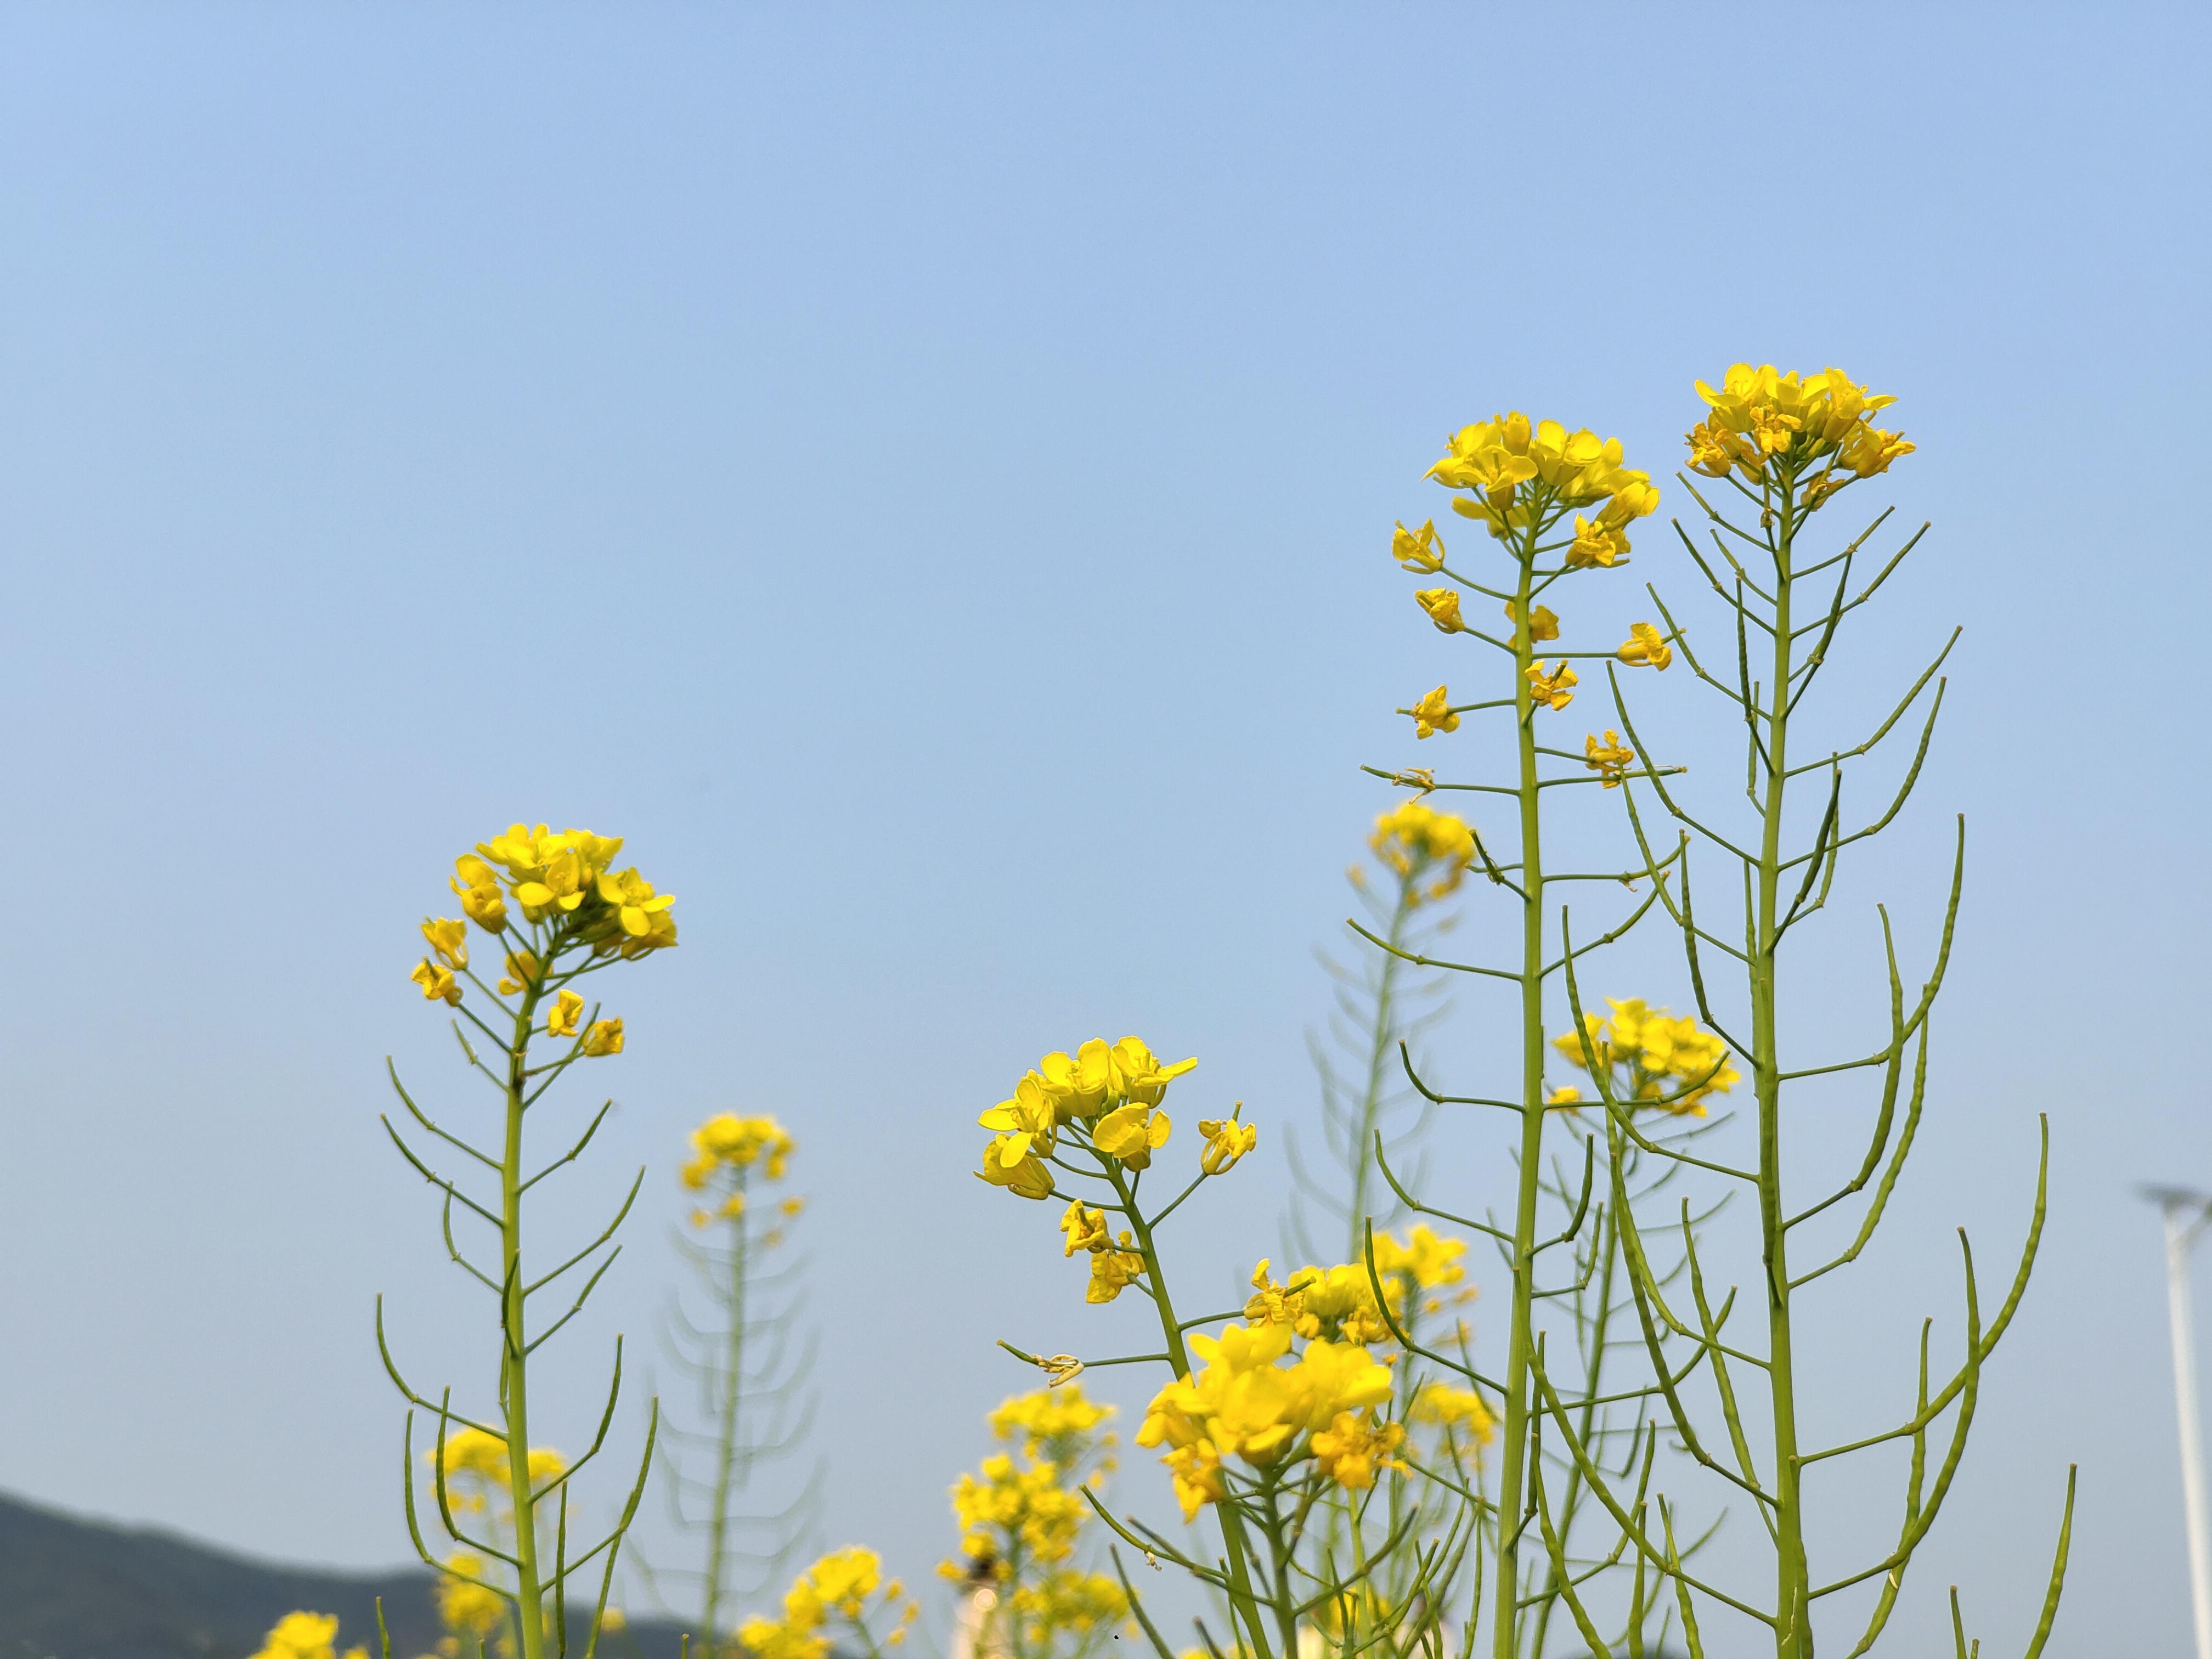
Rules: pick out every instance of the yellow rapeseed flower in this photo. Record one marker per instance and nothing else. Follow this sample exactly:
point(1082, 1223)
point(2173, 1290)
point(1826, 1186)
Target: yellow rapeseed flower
point(1596, 543)
point(1433, 714)
point(1132, 1133)
point(1085, 1228)
point(1227, 1140)
point(522, 971)
point(449, 940)
point(1078, 1085)
point(1646, 648)
point(1552, 690)
point(1272, 1303)
point(1610, 759)
point(437, 981)
point(1026, 1122)
point(561, 1018)
point(479, 888)
point(1111, 1272)
point(636, 906)
point(604, 1038)
point(1140, 1076)
point(1025, 1176)
point(1195, 1471)
point(1442, 606)
point(1421, 549)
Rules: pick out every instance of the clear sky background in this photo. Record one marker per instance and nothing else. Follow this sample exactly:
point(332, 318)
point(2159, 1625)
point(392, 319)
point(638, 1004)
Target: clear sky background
point(923, 474)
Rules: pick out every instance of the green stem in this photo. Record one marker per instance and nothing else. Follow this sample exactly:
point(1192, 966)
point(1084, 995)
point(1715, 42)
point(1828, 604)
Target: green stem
point(514, 1382)
point(1793, 1631)
point(1245, 1603)
point(1514, 1442)
point(1378, 1064)
point(1600, 1326)
point(726, 1444)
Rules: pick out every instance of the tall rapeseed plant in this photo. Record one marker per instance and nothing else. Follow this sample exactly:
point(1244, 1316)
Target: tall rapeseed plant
point(1557, 504)
point(561, 912)
point(1780, 449)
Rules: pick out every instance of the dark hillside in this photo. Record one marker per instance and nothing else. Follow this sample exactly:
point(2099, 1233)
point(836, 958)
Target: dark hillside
point(71, 1588)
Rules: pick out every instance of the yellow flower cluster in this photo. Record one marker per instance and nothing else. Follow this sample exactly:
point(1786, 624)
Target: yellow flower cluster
point(306, 1635)
point(1021, 1524)
point(476, 1465)
point(839, 1584)
point(1334, 1302)
point(1249, 1404)
point(1413, 841)
point(1003, 1507)
point(1656, 1055)
point(1339, 1303)
point(567, 879)
point(468, 1606)
point(1516, 472)
point(1112, 1092)
point(1065, 1599)
point(1460, 1412)
point(728, 1141)
point(1051, 1422)
point(1760, 417)
point(1428, 1260)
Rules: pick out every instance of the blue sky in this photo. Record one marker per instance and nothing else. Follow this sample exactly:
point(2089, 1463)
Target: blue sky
point(923, 475)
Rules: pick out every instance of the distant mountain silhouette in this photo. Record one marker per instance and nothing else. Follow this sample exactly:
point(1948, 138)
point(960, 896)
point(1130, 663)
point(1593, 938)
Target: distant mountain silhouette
point(72, 1589)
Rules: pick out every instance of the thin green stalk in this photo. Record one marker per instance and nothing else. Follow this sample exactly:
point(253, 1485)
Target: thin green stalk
point(726, 1444)
point(1378, 1065)
point(1793, 1628)
point(1245, 1604)
point(514, 1380)
point(1514, 1442)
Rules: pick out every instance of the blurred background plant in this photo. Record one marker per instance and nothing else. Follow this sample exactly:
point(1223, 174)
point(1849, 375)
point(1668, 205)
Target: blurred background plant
point(1381, 1001)
point(749, 1363)
point(1026, 1590)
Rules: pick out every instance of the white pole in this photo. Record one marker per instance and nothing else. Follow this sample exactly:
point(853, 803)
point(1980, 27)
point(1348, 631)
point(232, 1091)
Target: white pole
point(2179, 1235)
